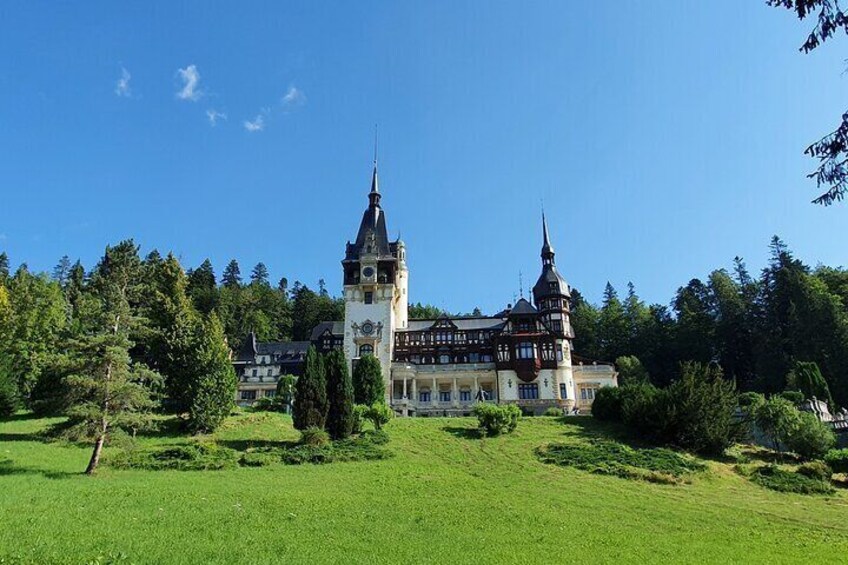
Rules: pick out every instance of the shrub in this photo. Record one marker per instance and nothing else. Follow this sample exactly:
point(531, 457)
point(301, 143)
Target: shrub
point(815, 470)
point(750, 400)
point(360, 412)
point(793, 396)
point(631, 371)
point(777, 417)
point(781, 480)
point(612, 458)
point(368, 386)
point(379, 414)
point(314, 437)
point(607, 404)
point(703, 406)
point(648, 410)
point(838, 460)
point(8, 394)
point(259, 459)
point(811, 438)
point(190, 457)
point(553, 412)
point(265, 404)
point(497, 419)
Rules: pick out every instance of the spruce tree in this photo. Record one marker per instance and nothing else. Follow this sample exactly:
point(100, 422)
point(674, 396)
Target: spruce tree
point(368, 386)
point(340, 417)
point(232, 275)
point(213, 389)
point(4, 267)
point(310, 394)
point(259, 275)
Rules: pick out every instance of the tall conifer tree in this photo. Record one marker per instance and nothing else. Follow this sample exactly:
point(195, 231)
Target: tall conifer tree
point(310, 394)
point(339, 396)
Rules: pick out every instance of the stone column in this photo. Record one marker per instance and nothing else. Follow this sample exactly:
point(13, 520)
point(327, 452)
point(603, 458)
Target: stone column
point(415, 390)
point(455, 394)
point(404, 388)
point(434, 393)
point(476, 388)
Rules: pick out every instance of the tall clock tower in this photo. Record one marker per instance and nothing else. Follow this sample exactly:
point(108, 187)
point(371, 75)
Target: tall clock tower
point(376, 283)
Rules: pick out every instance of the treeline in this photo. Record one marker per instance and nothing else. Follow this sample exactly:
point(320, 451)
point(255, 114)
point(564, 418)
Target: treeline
point(180, 324)
point(756, 329)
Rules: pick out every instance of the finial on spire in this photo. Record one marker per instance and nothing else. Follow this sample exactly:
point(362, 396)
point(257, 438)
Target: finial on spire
point(520, 284)
point(375, 145)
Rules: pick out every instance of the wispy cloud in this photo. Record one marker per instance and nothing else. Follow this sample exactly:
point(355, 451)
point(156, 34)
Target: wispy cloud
point(191, 78)
point(214, 116)
point(258, 124)
point(122, 87)
point(293, 97)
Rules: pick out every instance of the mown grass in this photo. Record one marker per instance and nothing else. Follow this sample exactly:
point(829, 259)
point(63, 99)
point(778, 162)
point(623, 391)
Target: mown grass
point(447, 495)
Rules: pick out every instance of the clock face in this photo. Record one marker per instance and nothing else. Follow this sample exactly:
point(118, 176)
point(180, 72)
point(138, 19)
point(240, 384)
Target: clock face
point(367, 328)
point(368, 272)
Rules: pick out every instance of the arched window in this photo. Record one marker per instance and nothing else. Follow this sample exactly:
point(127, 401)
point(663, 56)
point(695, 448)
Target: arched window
point(366, 349)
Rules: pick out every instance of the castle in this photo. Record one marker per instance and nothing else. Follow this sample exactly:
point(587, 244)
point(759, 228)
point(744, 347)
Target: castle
point(522, 355)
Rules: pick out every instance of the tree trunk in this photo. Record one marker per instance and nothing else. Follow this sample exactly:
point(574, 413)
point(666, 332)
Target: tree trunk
point(98, 448)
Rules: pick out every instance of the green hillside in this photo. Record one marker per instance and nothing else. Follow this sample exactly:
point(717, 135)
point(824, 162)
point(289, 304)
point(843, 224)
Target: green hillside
point(445, 497)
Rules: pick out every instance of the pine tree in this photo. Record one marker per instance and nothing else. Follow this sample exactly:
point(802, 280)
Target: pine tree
point(109, 391)
point(62, 270)
point(339, 396)
point(232, 275)
point(202, 288)
point(4, 267)
point(259, 274)
point(213, 389)
point(368, 386)
point(310, 394)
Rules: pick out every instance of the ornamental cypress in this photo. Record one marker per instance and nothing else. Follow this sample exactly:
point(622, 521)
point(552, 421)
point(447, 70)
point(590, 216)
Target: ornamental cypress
point(368, 387)
point(310, 394)
point(340, 416)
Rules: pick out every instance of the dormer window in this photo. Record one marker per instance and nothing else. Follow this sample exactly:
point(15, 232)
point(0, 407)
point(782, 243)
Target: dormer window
point(553, 287)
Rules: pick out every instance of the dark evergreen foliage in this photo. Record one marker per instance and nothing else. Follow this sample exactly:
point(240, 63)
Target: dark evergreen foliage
point(310, 394)
point(368, 386)
point(340, 416)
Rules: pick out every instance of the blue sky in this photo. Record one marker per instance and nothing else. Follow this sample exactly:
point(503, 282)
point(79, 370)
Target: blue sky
point(664, 138)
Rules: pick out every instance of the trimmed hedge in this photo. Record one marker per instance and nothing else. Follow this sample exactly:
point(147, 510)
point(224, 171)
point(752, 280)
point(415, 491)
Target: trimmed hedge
point(497, 419)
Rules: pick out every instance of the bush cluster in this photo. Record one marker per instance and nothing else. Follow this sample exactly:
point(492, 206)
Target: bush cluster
point(775, 478)
point(816, 470)
point(695, 412)
point(497, 419)
point(793, 430)
point(838, 460)
point(612, 458)
point(189, 457)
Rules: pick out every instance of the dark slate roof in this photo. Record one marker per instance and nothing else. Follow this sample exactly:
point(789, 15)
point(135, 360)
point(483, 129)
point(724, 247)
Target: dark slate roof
point(549, 275)
point(248, 348)
point(373, 222)
point(460, 323)
point(523, 307)
point(336, 328)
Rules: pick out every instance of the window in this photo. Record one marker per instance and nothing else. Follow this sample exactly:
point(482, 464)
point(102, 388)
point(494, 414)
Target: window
point(473, 357)
point(553, 287)
point(424, 395)
point(248, 395)
point(485, 358)
point(563, 391)
point(416, 359)
point(559, 354)
point(528, 391)
point(548, 351)
point(255, 372)
point(444, 396)
point(444, 359)
point(556, 325)
point(587, 393)
point(525, 350)
point(366, 349)
point(369, 297)
point(465, 395)
point(503, 352)
point(270, 393)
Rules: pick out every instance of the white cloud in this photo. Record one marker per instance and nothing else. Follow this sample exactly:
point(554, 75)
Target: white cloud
point(214, 116)
point(122, 87)
point(293, 97)
point(258, 124)
point(190, 77)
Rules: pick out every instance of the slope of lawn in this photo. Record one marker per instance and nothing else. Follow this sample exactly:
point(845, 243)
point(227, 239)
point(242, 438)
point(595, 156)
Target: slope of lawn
point(445, 497)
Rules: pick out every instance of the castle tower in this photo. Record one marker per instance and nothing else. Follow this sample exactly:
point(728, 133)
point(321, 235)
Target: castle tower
point(375, 287)
point(552, 297)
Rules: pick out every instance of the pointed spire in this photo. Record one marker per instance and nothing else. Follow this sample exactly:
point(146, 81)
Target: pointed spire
point(374, 195)
point(547, 248)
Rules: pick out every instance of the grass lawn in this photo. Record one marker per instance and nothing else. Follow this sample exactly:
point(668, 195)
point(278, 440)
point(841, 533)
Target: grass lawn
point(446, 497)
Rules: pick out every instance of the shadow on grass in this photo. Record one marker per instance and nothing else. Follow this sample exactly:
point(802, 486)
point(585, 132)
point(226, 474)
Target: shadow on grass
point(21, 437)
point(9, 468)
point(20, 417)
point(464, 433)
